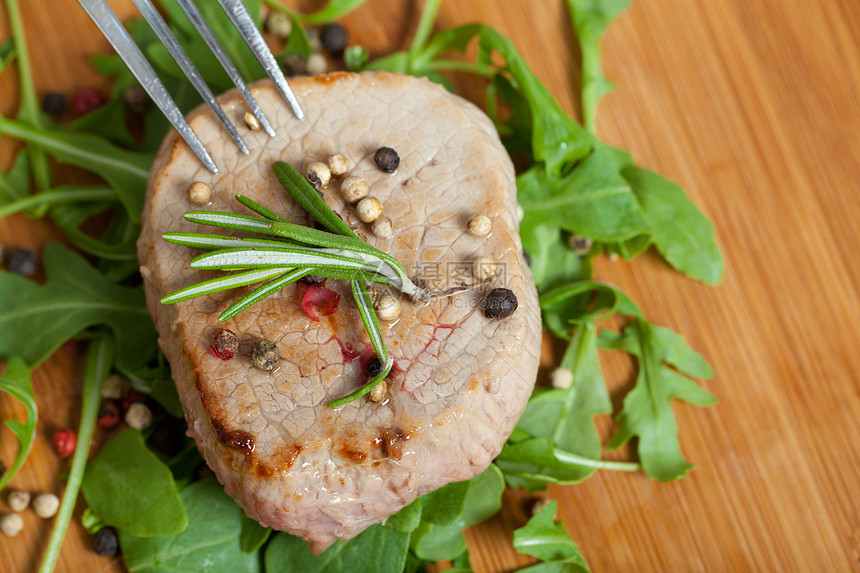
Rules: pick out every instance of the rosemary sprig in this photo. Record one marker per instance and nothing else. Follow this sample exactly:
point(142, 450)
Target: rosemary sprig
point(292, 252)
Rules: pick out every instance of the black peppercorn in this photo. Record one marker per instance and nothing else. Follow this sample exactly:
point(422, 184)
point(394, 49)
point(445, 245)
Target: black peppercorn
point(54, 104)
point(23, 262)
point(312, 279)
point(334, 38)
point(106, 542)
point(135, 99)
point(387, 159)
point(500, 303)
point(265, 355)
point(373, 368)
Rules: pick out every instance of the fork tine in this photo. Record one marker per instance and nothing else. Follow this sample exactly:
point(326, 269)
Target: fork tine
point(110, 26)
point(248, 29)
point(167, 38)
point(208, 36)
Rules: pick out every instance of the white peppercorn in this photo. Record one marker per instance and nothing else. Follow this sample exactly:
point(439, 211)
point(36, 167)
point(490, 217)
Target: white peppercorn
point(279, 25)
point(251, 121)
point(382, 228)
point(562, 378)
point(199, 193)
point(369, 209)
point(338, 164)
point(115, 387)
point(11, 524)
point(139, 416)
point(387, 307)
point(46, 505)
point(484, 268)
point(379, 391)
point(317, 64)
point(318, 174)
point(479, 226)
point(354, 189)
point(580, 245)
point(18, 500)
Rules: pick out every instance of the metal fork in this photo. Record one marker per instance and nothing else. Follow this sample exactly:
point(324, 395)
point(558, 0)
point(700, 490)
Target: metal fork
point(116, 34)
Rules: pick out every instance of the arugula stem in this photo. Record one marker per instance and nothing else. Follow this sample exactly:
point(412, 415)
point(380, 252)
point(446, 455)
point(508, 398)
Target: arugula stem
point(29, 107)
point(458, 66)
point(99, 361)
point(570, 458)
point(425, 28)
point(59, 196)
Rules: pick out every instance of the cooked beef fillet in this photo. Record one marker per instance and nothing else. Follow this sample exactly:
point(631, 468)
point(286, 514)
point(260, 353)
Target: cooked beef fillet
point(460, 379)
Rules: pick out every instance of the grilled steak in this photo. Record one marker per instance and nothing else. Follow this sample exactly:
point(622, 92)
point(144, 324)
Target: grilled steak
point(460, 379)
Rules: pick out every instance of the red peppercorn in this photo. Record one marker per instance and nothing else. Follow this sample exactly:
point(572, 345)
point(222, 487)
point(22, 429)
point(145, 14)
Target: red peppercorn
point(126, 402)
point(226, 344)
point(65, 441)
point(108, 415)
point(86, 100)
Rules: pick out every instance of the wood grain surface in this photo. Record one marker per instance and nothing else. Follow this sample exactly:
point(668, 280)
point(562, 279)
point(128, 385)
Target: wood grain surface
point(752, 106)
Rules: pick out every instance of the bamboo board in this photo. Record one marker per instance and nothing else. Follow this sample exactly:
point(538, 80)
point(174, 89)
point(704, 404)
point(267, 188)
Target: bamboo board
point(752, 106)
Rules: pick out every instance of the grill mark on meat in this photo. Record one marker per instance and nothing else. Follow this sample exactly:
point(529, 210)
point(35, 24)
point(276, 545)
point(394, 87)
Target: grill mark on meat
point(238, 439)
point(392, 442)
point(286, 459)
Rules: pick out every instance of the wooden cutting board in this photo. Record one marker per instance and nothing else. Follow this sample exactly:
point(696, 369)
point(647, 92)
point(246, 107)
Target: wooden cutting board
point(752, 106)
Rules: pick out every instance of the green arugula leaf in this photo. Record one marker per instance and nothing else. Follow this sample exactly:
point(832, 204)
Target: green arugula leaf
point(557, 139)
point(445, 505)
point(91, 522)
point(553, 263)
point(681, 233)
point(630, 248)
point(594, 200)
point(298, 43)
point(578, 303)
point(533, 463)
point(461, 564)
point(209, 543)
point(36, 319)
point(377, 549)
point(16, 382)
point(407, 519)
point(131, 489)
point(549, 541)
point(484, 499)
point(125, 171)
point(590, 19)
point(566, 417)
point(15, 185)
point(253, 535)
point(7, 53)
point(334, 10)
point(647, 411)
